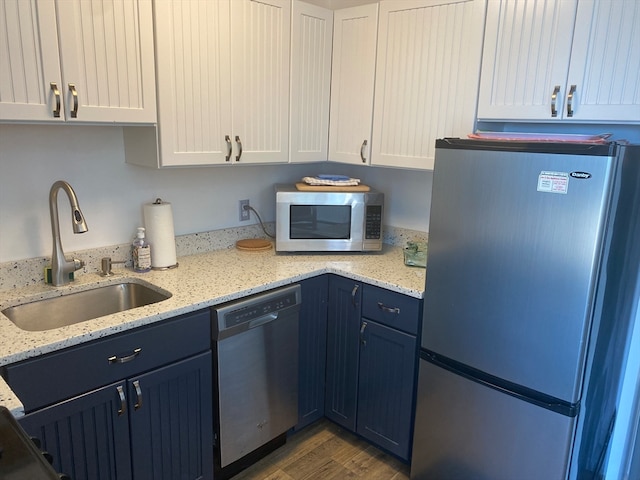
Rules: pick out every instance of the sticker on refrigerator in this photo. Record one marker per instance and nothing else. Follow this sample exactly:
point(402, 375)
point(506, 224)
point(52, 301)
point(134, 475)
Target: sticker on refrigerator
point(553, 182)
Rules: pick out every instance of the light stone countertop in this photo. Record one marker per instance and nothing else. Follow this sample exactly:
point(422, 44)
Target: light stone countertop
point(200, 281)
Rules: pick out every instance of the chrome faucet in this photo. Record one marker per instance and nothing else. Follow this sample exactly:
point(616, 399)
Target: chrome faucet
point(60, 266)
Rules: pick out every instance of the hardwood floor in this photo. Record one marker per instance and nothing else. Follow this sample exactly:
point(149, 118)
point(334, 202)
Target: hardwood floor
point(326, 451)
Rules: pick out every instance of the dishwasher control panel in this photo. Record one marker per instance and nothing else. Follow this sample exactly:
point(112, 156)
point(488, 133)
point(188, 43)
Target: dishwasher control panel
point(257, 310)
point(253, 310)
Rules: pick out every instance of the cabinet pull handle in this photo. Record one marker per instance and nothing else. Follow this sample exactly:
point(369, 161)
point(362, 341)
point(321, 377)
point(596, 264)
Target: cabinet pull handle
point(126, 359)
point(554, 98)
point(362, 329)
point(74, 94)
point(239, 148)
point(572, 91)
point(138, 404)
point(56, 93)
point(229, 148)
point(353, 294)
point(385, 309)
point(123, 400)
point(364, 144)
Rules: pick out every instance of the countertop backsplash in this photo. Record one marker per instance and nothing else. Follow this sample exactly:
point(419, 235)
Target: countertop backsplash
point(22, 273)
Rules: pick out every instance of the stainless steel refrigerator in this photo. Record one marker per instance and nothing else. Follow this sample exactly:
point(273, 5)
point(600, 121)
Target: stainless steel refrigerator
point(532, 280)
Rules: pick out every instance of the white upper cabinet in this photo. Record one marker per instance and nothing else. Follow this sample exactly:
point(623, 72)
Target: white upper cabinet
point(194, 84)
point(352, 83)
point(29, 61)
point(260, 52)
point(570, 60)
point(427, 72)
point(605, 61)
point(77, 61)
point(223, 84)
point(311, 41)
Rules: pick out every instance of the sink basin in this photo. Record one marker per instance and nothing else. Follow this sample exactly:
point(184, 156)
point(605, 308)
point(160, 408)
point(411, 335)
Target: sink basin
point(78, 307)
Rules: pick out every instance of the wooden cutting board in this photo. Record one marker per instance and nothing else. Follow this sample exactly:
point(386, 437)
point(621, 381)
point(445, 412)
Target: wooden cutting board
point(254, 244)
point(332, 188)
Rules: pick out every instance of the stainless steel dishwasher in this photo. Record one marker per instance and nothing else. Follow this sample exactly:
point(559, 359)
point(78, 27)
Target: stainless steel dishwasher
point(255, 342)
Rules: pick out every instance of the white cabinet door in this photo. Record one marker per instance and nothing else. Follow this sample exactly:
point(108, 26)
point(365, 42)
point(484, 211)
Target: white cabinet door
point(194, 75)
point(527, 47)
point(605, 63)
point(99, 55)
point(223, 85)
point(260, 49)
point(570, 60)
point(29, 60)
point(107, 60)
point(311, 41)
point(427, 74)
point(352, 83)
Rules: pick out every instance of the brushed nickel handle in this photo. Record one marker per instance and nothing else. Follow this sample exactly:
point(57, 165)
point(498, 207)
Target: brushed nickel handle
point(128, 358)
point(239, 148)
point(362, 329)
point(56, 93)
point(385, 309)
point(353, 294)
point(229, 148)
point(138, 404)
point(364, 144)
point(572, 91)
point(74, 94)
point(123, 400)
point(554, 98)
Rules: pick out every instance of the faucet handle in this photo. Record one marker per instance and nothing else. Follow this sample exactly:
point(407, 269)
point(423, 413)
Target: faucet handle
point(106, 266)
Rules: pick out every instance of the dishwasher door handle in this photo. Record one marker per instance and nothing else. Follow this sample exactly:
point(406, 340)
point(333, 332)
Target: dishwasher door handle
point(270, 317)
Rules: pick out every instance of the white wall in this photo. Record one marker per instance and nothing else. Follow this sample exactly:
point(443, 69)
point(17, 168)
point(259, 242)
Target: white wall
point(111, 193)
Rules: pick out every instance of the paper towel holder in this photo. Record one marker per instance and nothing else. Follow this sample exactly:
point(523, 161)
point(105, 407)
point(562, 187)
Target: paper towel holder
point(159, 201)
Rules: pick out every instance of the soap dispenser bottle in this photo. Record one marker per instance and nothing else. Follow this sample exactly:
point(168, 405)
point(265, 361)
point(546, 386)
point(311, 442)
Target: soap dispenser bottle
point(141, 253)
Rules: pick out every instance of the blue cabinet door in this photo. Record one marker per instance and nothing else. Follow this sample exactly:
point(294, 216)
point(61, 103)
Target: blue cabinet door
point(313, 350)
point(386, 386)
point(343, 324)
point(171, 416)
point(88, 435)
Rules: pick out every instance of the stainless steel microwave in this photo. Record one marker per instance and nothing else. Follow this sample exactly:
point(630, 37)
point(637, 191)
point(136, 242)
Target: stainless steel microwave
point(312, 221)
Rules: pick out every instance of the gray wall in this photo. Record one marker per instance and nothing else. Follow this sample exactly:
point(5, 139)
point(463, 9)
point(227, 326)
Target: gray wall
point(111, 192)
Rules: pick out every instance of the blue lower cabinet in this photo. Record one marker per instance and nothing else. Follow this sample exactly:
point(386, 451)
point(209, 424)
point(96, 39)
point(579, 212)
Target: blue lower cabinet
point(136, 405)
point(155, 426)
point(372, 355)
point(343, 325)
point(312, 350)
point(386, 385)
point(87, 436)
point(171, 421)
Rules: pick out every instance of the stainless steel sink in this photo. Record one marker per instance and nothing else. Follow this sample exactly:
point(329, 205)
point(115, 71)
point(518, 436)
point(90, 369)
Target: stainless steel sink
point(78, 307)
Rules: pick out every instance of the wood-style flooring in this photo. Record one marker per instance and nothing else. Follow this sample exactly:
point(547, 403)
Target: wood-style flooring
point(324, 451)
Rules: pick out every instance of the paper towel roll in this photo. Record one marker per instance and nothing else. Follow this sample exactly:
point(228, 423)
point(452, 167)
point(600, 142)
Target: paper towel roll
point(158, 221)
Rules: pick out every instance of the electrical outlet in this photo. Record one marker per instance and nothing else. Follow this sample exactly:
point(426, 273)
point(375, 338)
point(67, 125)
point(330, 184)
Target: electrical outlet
point(244, 212)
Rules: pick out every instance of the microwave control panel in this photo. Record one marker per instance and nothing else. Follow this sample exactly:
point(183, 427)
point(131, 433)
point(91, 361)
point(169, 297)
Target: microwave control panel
point(373, 222)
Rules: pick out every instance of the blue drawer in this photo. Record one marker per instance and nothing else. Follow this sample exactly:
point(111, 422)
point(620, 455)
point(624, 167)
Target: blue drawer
point(57, 376)
point(392, 309)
